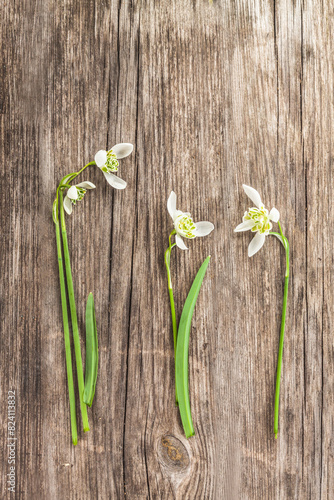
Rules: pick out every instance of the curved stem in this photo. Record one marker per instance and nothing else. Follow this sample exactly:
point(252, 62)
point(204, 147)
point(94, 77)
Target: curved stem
point(70, 177)
point(88, 164)
point(66, 332)
point(74, 318)
point(171, 297)
point(281, 340)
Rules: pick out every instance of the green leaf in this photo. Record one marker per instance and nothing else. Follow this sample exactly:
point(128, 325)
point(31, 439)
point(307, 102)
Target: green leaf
point(182, 349)
point(92, 355)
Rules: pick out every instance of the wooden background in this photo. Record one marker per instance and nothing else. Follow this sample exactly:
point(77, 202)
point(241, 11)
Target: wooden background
point(212, 95)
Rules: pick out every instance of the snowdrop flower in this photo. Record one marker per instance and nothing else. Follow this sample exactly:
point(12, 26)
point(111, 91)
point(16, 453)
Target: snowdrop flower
point(184, 225)
point(258, 220)
point(76, 193)
point(107, 161)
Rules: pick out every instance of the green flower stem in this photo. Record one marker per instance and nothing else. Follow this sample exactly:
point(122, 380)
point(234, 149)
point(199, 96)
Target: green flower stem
point(281, 340)
point(83, 168)
point(74, 318)
point(70, 177)
point(171, 298)
point(66, 332)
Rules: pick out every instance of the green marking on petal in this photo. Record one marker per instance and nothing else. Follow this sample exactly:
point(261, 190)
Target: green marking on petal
point(260, 216)
point(184, 226)
point(81, 193)
point(111, 164)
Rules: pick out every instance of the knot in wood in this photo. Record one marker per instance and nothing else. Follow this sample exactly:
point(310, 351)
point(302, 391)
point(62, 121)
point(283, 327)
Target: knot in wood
point(173, 454)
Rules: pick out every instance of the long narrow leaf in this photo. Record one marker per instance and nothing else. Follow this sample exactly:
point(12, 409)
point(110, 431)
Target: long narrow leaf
point(91, 352)
point(68, 356)
point(74, 318)
point(182, 349)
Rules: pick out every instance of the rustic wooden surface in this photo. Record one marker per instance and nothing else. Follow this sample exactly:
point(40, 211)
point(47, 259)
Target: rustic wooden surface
point(211, 95)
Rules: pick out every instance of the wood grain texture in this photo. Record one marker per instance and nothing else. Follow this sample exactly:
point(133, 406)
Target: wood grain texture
point(212, 95)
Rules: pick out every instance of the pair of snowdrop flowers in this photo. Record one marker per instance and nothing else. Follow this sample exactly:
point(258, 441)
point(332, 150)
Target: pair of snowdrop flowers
point(258, 220)
point(107, 162)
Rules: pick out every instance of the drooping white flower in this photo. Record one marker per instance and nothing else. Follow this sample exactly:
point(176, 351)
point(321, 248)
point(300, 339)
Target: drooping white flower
point(76, 193)
point(184, 225)
point(107, 161)
point(258, 220)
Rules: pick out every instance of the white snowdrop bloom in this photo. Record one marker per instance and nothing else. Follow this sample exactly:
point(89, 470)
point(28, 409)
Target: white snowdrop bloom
point(107, 161)
point(258, 220)
point(184, 225)
point(76, 193)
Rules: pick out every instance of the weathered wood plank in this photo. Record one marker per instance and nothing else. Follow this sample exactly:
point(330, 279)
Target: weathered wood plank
point(289, 181)
point(318, 114)
point(212, 95)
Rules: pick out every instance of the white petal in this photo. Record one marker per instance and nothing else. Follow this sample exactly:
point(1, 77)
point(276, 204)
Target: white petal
point(204, 228)
point(101, 158)
point(256, 244)
point(114, 181)
point(72, 193)
point(179, 242)
point(86, 185)
point(244, 226)
point(68, 205)
point(274, 215)
point(122, 150)
point(253, 195)
point(171, 205)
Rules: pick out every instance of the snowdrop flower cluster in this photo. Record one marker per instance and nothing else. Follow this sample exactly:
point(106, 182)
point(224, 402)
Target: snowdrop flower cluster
point(107, 162)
